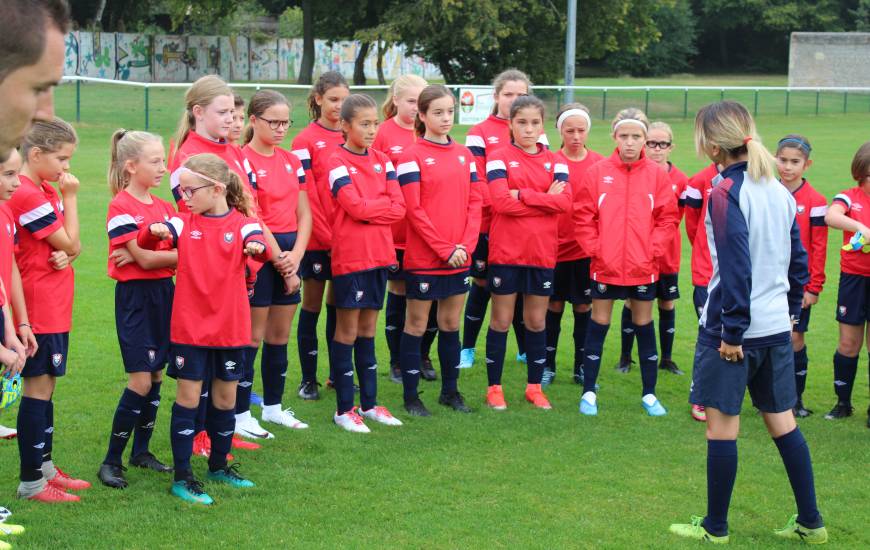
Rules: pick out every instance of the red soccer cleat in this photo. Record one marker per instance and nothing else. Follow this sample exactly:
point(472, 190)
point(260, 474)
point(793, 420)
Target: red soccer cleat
point(67, 483)
point(239, 443)
point(202, 446)
point(52, 493)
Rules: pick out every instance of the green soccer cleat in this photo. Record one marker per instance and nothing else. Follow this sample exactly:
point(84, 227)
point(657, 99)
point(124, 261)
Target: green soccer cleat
point(230, 475)
point(190, 490)
point(696, 531)
point(795, 531)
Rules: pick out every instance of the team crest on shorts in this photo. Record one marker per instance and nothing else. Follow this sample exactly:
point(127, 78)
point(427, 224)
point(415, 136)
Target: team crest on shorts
point(602, 288)
point(57, 359)
point(179, 361)
point(228, 236)
point(152, 355)
point(359, 295)
point(480, 265)
point(496, 282)
point(842, 310)
point(378, 169)
point(424, 287)
point(317, 267)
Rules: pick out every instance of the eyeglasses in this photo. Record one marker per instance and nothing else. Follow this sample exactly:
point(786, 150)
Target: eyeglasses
point(277, 124)
point(189, 191)
point(658, 144)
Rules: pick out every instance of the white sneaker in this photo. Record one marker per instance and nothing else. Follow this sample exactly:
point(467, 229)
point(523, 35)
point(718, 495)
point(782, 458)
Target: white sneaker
point(382, 415)
point(285, 417)
point(7, 433)
point(351, 422)
point(247, 426)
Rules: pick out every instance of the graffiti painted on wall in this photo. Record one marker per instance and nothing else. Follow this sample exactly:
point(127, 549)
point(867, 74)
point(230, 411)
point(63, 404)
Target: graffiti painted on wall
point(97, 54)
point(203, 56)
point(133, 57)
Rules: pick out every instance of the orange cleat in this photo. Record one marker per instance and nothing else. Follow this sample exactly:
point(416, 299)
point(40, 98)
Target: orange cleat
point(239, 443)
point(67, 483)
point(535, 396)
point(495, 398)
point(699, 413)
point(53, 493)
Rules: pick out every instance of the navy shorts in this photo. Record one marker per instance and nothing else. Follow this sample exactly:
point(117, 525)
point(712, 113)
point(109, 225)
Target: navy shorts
point(804, 321)
point(668, 287)
point(269, 290)
point(480, 257)
point(361, 289)
point(509, 279)
point(196, 363)
point(699, 298)
point(397, 272)
point(571, 282)
point(435, 287)
point(143, 311)
point(603, 291)
point(853, 299)
point(768, 373)
point(51, 356)
point(317, 265)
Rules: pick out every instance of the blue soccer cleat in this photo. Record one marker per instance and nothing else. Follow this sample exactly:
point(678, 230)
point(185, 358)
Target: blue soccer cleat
point(190, 490)
point(653, 406)
point(230, 476)
point(589, 404)
point(466, 358)
point(521, 357)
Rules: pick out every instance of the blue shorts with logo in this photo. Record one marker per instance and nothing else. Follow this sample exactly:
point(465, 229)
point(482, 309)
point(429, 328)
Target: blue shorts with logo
point(361, 289)
point(269, 290)
point(603, 291)
point(143, 311)
point(668, 286)
point(51, 356)
point(198, 363)
point(435, 287)
point(571, 282)
point(317, 265)
point(853, 299)
point(397, 272)
point(509, 279)
point(480, 257)
point(804, 321)
point(699, 298)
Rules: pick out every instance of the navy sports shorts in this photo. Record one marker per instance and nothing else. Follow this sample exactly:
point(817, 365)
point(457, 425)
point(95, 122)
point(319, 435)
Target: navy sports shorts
point(768, 373)
point(699, 298)
point(603, 291)
point(361, 289)
point(571, 282)
point(397, 272)
point(143, 311)
point(269, 290)
point(853, 299)
point(51, 356)
point(317, 265)
point(668, 287)
point(510, 279)
point(197, 363)
point(804, 322)
point(435, 287)
point(480, 257)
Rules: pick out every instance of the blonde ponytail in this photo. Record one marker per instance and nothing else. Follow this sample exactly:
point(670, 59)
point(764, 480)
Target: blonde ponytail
point(125, 146)
point(729, 126)
point(202, 93)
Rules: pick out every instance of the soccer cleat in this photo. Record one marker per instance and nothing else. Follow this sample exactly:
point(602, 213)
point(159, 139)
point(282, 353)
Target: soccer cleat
point(427, 371)
point(308, 390)
point(495, 398)
point(535, 396)
point(230, 476)
point(7, 433)
point(840, 410)
point(589, 404)
point(800, 411)
point(112, 475)
point(624, 365)
point(455, 401)
point(68, 483)
point(521, 357)
point(578, 374)
point(239, 443)
point(699, 413)
point(395, 373)
point(285, 417)
point(7, 529)
point(695, 530)
point(381, 415)
point(247, 426)
point(351, 422)
point(795, 531)
point(670, 366)
point(149, 462)
point(466, 358)
point(653, 406)
point(52, 493)
point(415, 407)
point(190, 490)
point(548, 377)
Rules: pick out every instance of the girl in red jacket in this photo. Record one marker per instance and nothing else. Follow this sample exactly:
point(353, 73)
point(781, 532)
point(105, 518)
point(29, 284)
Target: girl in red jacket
point(571, 282)
point(442, 196)
point(528, 186)
point(628, 214)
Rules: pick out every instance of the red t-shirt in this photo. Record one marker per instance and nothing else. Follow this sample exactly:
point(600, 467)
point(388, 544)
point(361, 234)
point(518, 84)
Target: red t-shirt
point(8, 239)
point(811, 209)
point(313, 146)
point(569, 247)
point(670, 262)
point(280, 177)
point(856, 201)
point(126, 215)
point(195, 144)
point(393, 140)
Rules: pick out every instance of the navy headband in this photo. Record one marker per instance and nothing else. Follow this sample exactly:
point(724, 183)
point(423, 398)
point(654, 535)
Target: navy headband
point(801, 144)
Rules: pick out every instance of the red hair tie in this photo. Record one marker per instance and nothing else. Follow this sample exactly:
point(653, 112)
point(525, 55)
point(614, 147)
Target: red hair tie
point(747, 140)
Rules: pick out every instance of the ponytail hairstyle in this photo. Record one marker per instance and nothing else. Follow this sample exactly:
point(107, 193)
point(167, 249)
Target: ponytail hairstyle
point(125, 146)
point(509, 75)
point(861, 163)
point(729, 126)
point(325, 82)
point(795, 141)
point(353, 104)
point(202, 93)
point(397, 89)
point(48, 136)
point(214, 167)
point(630, 114)
point(429, 94)
point(259, 104)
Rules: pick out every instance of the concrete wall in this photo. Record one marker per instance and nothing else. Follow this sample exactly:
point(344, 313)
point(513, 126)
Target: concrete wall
point(829, 59)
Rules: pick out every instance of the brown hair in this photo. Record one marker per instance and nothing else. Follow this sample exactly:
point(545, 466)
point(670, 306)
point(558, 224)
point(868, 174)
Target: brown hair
point(260, 102)
point(22, 31)
point(397, 89)
point(729, 126)
point(125, 146)
point(354, 103)
point(509, 75)
point(202, 93)
point(861, 162)
point(795, 141)
point(525, 102)
point(325, 82)
point(216, 168)
point(238, 101)
point(427, 96)
point(48, 136)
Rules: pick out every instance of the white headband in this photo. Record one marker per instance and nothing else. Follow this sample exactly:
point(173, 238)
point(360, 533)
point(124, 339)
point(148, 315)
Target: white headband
point(574, 112)
point(631, 121)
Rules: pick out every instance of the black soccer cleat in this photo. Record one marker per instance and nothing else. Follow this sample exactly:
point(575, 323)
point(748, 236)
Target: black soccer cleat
point(415, 407)
point(455, 401)
point(427, 371)
point(800, 411)
point(150, 462)
point(670, 366)
point(624, 365)
point(308, 390)
point(112, 475)
point(840, 410)
point(395, 373)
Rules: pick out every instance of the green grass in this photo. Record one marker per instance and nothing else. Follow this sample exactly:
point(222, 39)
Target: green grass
point(521, 478)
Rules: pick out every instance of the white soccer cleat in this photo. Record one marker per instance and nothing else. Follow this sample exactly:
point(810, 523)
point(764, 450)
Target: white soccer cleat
point(7, 433)
point(247, 426)
point(382, 415)
point(282, 417)
point(351, 422)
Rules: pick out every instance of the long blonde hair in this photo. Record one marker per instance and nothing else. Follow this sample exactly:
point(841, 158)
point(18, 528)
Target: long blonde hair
point(729, 126)
point(397, 89)
point(48, 136)
point(216, 168)
point(126, 145)
point(202, 93)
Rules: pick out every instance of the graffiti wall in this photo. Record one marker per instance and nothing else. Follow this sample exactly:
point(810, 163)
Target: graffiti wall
point(133, 57)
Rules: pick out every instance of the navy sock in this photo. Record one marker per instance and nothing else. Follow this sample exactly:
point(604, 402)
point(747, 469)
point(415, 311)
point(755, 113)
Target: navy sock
point(274, 369)
point(49, 431)
point(667, 329)
point(124, 422)
point(475, 310)
point(799, 467)
point(496, 342)
point(845, 369)
point(306, 341)
point(431, 332)
point(627, 332)
point(448, 357)
point(581, 327)
point(410, 364)
point(246, 384)
point(519, 325)
point(181, 435)
point(554, 328)
point(202, 408)
point(341, 372)
point(31, 436)
point(648, 356)
point(330, 326)
point(801, 362)
point(536, 355)
point(721, 473)
point(366, 371)
point(145, 425)
point(592, 354)
point(394, 324)
point(220, 425)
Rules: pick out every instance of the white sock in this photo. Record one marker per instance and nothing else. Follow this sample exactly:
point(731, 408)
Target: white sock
point(590, 397)
point(649, 399)
point(28, 489)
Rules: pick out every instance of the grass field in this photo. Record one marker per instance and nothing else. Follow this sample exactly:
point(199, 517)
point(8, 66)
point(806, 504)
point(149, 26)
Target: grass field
point(522, 478)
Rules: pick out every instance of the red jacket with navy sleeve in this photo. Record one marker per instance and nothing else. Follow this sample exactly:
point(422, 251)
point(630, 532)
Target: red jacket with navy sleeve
point(810, 218)
point(210, 308)
point(670, 262)
point(856, 202)
point(280, 178)
point(697, 194)
point(314, 146)
point(126, 215)
point(393, 140)
point(196, 144)
point(367, 201)
point(628, 214)
point(525, 230)
point(442, 199)
point(569, 247)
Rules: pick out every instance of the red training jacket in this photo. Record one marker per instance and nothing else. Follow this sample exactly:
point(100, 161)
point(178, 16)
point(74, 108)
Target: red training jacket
point(393, 140)
point(569, 247)
point(314, 146)
point(697, 194)
point(811, 209)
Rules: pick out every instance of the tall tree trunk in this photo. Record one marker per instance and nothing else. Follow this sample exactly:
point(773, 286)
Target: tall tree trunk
point(382, 49)
point(98, 14)
point(359, 65)
point(306, 68)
